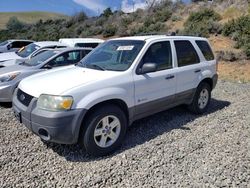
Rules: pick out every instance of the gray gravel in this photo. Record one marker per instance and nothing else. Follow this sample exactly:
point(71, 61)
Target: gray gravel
point(171, 149)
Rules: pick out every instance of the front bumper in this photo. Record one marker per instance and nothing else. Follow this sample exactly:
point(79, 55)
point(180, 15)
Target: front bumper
point(59, 127)
point(6, 91)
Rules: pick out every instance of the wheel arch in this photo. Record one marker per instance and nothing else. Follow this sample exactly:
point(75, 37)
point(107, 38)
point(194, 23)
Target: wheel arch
point(117, 102)
point(209, 81)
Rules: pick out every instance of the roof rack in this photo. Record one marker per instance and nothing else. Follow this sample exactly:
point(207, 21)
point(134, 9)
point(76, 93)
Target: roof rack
point(156, 33)
point(168, 34)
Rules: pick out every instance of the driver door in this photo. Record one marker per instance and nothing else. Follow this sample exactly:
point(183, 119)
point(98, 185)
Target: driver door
point(154, 91)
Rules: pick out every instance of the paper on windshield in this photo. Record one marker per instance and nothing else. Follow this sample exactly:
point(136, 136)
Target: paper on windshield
point(125, 48)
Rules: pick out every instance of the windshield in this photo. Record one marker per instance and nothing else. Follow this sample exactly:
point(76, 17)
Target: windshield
point(4, 43)
point(40, 58)
point(116, 55)
point(26, 51)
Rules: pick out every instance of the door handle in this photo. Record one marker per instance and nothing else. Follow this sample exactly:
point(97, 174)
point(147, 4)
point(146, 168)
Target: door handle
point(197, 70)
point(169, 77)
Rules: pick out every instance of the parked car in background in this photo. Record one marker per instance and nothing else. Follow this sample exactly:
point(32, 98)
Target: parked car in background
point(13, 45)
point(82, 42)
point(123, 80)
point(47, 59)
point(28, 52)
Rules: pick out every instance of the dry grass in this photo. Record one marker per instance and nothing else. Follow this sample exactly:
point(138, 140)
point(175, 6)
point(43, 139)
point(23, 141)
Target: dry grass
point(27, 17)
point(221, 43)
point(236, 71)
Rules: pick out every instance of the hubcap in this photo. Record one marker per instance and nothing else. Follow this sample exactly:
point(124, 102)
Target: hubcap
point(107, 131)
point(203, 99)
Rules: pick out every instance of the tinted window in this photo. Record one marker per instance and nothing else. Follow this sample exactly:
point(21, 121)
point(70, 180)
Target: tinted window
point(115, 55)
point(205, 49)
point(85, 52)
point(87, 45)
point(159, 53)
point(40, 58)
point(16, 44)
point(186, 54)
point(66, 58)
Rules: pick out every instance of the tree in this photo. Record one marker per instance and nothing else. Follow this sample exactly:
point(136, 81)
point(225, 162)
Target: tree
point(14, 24)
point(107, 12)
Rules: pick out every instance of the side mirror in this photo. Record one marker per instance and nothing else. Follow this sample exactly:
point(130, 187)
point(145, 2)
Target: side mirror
point(147, 68)
point(9, 47)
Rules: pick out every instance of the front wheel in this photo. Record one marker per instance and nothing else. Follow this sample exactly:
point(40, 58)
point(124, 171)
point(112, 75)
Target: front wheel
point(106, 128)
point(201, 99)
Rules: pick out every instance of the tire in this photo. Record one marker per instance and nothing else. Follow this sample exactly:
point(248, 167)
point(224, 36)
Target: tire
point(105, 130)
point(201, 99)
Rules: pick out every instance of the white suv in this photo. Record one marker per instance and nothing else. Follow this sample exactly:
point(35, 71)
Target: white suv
point(122, 80)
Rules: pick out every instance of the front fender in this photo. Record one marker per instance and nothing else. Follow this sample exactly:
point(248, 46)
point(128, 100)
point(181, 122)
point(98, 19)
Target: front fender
point(102, 95)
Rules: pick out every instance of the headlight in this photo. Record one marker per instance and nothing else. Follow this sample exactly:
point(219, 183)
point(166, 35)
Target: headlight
point(54, 103)
point(8, 77)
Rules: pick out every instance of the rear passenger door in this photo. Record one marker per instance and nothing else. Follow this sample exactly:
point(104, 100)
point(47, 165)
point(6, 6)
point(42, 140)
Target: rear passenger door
point(155, 91)
point(189, 68)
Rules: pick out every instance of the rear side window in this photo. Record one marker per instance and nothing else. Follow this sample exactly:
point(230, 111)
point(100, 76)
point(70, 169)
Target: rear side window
point(186, 54)
point(159, 53)
point(205, 49)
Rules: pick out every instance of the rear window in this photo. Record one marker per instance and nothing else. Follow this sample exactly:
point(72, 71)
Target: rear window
point(186, 54)
point(205, 49)
point(87, 45)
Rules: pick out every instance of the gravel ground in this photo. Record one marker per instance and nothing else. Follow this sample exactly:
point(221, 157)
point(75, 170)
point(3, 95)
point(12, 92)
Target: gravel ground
point(171, 149)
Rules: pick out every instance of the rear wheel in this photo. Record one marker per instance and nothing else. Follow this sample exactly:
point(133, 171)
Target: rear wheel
point(106, 128)
point(201, 99)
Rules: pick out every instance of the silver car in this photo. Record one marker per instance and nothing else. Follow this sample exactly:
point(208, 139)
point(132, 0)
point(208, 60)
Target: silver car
point(13, 45)
point(48, 59)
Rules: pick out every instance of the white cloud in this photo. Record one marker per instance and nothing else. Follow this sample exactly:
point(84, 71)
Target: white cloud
point(131, 7)
point(93, 5)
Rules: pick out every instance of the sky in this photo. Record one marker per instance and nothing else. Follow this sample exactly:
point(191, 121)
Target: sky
point(70, 7)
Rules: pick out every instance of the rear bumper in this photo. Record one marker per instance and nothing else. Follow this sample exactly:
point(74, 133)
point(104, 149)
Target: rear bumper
point(215, 80)
point(59, 127)
point(6, 91)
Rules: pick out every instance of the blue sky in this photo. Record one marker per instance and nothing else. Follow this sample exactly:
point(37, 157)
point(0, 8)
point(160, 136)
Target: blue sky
point(69, 7)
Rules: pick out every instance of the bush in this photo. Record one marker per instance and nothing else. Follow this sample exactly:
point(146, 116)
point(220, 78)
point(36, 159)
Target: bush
point(163, 15)
point(239, 30)
point(109, 31)
point(204, 22)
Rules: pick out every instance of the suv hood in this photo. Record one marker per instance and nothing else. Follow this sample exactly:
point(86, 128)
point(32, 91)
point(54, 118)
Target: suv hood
point(60, 80)
point(9, 56)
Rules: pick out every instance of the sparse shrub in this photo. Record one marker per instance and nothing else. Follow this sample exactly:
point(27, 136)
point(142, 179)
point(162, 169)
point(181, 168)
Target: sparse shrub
point(176, 18)
point(202, 22)
point(230, 56)
point(239, 30)
point(125, 21)
point(109, 30)
point(163, 15)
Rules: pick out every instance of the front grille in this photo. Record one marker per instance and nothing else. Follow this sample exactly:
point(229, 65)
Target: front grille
point(23, 97)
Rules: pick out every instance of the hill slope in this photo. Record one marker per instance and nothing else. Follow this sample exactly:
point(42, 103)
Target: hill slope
point(28, 17)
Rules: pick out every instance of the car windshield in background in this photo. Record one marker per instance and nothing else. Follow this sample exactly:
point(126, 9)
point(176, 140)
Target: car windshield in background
point(40, 58)
point(26, 51)
point(4, 43)
point(116, 55)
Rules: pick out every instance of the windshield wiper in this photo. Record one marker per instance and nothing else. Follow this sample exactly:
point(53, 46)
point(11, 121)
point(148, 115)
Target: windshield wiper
point(95, 66)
